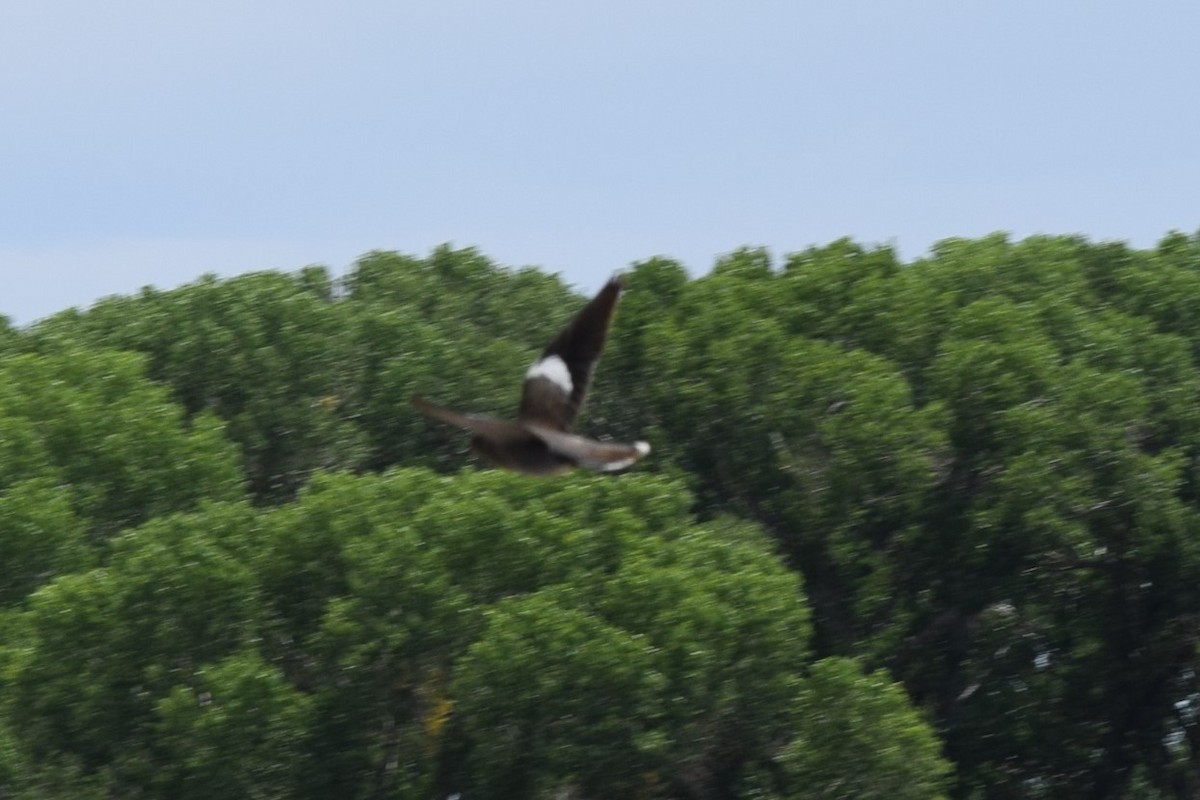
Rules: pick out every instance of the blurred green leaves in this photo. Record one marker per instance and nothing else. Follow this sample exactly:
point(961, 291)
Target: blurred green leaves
point(238, 564)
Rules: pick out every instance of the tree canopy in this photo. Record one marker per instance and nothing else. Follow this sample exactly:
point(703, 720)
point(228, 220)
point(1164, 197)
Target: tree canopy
point(922, 529)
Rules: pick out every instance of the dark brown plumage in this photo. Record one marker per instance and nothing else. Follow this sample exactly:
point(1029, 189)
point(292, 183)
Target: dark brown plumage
point(540, 441)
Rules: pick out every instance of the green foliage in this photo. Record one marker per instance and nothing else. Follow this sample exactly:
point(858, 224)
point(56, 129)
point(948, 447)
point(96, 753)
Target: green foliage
point(307, 377)
point(237, 731)
point(40, 536)
point(981, 466)
point(674, 671)
point(264, 352)
point(88, 420)
point(360, 641)
point(107, 644)
point(895, 755)
point(726, 621)
point(554, 697)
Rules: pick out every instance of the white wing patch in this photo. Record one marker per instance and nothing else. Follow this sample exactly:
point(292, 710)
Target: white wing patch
point(553, 369)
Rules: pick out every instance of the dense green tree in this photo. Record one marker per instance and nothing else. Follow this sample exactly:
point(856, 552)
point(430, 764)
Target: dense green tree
point(857, 737)
point(465, 292)
point(982, 463)
point(554, 699)
point(308, 375)
point(401, 354)
point(10, 337)
point(390, 635)
point(88, 421)
point(265, 352)
point(40, 537)
point(239, 729)
point(108, 644)
point(824, 446)
point(972, 491)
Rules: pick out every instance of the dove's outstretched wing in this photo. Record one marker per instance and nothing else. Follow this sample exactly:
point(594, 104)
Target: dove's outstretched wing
point(589, 453)
point(556, 384)
point(498, 430)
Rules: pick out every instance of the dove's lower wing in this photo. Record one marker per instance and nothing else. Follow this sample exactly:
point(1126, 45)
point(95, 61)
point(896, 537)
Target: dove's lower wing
point(598, 456)
point(497, 430)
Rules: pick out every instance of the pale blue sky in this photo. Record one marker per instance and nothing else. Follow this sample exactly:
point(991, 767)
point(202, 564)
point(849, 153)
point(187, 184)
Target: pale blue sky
point(146, 142)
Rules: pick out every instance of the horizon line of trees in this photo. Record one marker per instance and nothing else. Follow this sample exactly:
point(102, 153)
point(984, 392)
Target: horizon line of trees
point(910, 530)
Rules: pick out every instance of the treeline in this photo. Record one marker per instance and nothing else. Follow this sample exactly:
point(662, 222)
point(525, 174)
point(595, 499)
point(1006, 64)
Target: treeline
point(909, 530)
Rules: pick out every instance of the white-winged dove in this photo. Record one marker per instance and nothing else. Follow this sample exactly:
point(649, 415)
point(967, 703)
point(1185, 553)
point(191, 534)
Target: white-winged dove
point(540, 442)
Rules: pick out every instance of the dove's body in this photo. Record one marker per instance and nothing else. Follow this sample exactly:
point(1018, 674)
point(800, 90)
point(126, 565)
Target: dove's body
point(540, 441)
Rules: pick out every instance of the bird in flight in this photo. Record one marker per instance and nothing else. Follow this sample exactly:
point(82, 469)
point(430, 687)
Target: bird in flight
point(540, 441)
